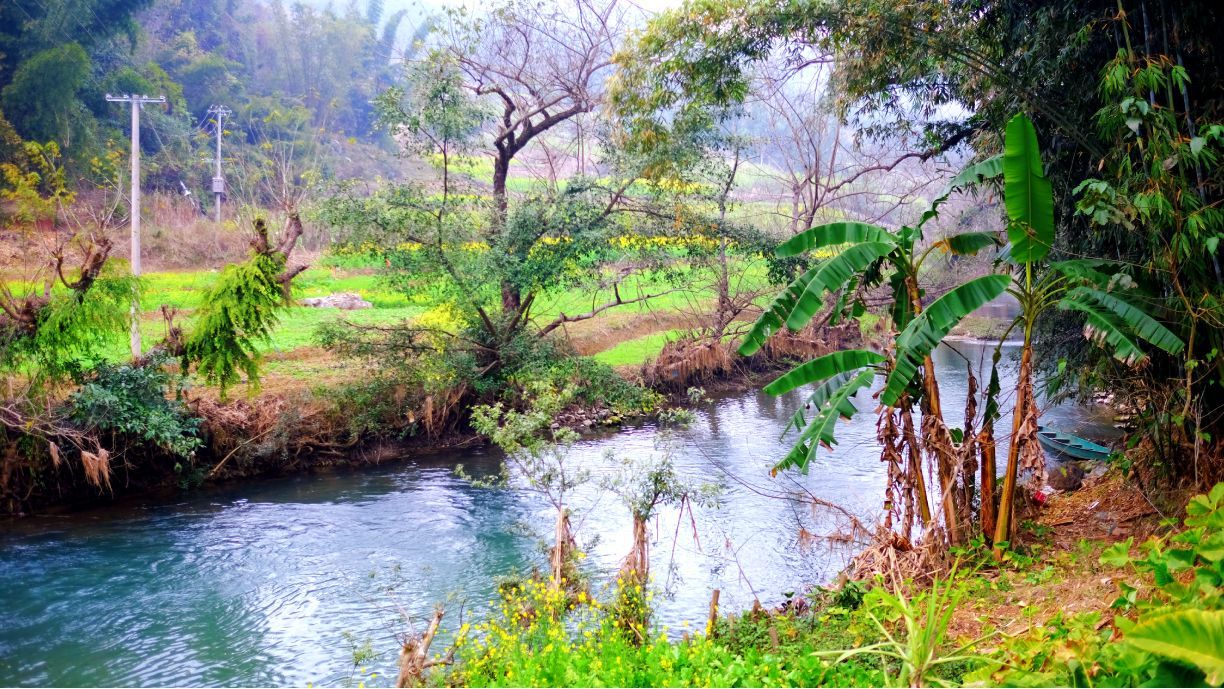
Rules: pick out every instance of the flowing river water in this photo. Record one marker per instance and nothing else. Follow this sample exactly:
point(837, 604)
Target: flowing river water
point(277, 581)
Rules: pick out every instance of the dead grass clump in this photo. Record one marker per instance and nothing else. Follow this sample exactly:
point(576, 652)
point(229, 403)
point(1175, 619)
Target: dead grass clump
point(97, 468)
point(688, 361)
point(810, 342)
point(269, 432)
point(897, 561)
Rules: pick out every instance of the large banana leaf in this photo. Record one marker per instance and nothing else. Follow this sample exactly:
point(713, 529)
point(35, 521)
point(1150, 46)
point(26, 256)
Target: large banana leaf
point(1085, 270)
point(833, 275)
point(1028, 196)
point(1142, 325)
point(930, 327)
point(972, 175)
point(968, 243)
point(969, 176)
point(1188, 636)
point(772, 319)
point(819, 432)
point(1104, 328)
point(817, 401)
point(834, 234)
point(823, 367)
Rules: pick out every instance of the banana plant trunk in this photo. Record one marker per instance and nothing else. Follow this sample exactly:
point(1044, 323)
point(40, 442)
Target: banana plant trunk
point(931, 406)
point(986, 442)
point(1004, 526)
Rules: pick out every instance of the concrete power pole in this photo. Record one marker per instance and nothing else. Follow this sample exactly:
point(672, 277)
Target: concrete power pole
point(136, 102)
point(218, 182)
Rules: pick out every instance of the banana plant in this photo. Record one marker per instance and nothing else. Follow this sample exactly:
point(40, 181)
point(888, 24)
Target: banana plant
point(871, 255)
point(1097, 289)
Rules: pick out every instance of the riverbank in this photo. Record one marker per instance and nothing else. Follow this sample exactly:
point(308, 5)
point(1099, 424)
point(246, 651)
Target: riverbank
point(1074, 602)
point(306, 418)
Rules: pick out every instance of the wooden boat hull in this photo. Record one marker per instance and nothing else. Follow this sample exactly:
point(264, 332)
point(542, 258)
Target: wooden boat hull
point(1071, 446)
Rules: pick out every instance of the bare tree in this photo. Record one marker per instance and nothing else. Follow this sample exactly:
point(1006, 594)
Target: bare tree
point(538, 65)
point(814, 160)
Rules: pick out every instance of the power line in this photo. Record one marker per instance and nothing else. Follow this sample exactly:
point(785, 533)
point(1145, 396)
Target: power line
point(135, 101)
point(218, 182)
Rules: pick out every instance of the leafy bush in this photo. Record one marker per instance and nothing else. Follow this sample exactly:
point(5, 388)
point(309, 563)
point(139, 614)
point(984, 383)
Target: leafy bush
point(537, 637)
point(1168, 633)
point(131, 401)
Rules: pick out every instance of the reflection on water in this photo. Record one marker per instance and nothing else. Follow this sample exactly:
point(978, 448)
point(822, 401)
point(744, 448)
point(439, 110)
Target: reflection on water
point(271, 582)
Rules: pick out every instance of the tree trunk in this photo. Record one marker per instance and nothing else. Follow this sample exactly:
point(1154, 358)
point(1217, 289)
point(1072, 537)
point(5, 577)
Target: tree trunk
point(987, 442)
point(931, 406)
point(512, 297)
point(1003, 526)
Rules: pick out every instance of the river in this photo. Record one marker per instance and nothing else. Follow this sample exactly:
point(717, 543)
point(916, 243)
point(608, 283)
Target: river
point(275, 582)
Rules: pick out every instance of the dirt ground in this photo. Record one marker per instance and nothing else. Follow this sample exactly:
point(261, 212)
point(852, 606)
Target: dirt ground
point(1067, 576)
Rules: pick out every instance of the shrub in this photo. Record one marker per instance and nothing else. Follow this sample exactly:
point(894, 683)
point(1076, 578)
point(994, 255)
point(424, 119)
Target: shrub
point(131, 402)
point(536, 637)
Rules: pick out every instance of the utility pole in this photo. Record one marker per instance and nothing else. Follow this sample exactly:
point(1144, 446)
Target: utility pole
point(136, 102)
point(218, 182)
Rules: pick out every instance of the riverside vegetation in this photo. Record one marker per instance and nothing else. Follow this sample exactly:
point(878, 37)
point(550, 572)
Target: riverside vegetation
point(569, 190)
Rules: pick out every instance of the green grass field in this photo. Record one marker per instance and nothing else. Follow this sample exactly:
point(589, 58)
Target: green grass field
point(186, 291)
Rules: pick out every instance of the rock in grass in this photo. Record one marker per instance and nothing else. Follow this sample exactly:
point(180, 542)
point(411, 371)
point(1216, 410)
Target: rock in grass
point(348, 301)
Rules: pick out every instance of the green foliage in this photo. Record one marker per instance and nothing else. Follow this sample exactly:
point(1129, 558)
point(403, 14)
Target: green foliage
point(130, 401)
point(42, 98)
point(73, 330)
point(927, 329)
point(833, 275)
point(1171, 620)
point(536, 637)
point(1194, 637)
point(1029, 198)
point(238, 313)
point(914, 634)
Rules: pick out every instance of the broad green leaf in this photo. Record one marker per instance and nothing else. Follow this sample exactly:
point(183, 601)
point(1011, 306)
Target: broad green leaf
point(833, 275)
point(819, 432)
point(1028, 196)
point(1086, 269)
point(968, 243)
point(817, 400)
point(1101, 327)
point(977, 173)
point(834, 234)
point(1118, 554)
point(775, 315)
point(1188, 636)
point(823, 367)
point(1142, 325)
point(929, 328)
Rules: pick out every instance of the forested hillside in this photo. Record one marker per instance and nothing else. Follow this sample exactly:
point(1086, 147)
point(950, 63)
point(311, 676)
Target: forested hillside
point(288, 73)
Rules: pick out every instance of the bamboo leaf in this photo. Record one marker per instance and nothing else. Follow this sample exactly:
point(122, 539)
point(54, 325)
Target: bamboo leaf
point(1188, 636)
point(1141, 324)
point(1028, 196)
point(822, 368)
point(929, 328)
point(834, 234)
point(833, 275)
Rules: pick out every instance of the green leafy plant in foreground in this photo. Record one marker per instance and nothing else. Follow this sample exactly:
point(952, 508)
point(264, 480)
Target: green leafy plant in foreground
point(1168, 628)
point(536, 636)
point(914, 634)
point(131, 401)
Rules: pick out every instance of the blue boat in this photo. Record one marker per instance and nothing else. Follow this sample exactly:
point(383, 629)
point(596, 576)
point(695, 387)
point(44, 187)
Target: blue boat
point(1070, 445)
